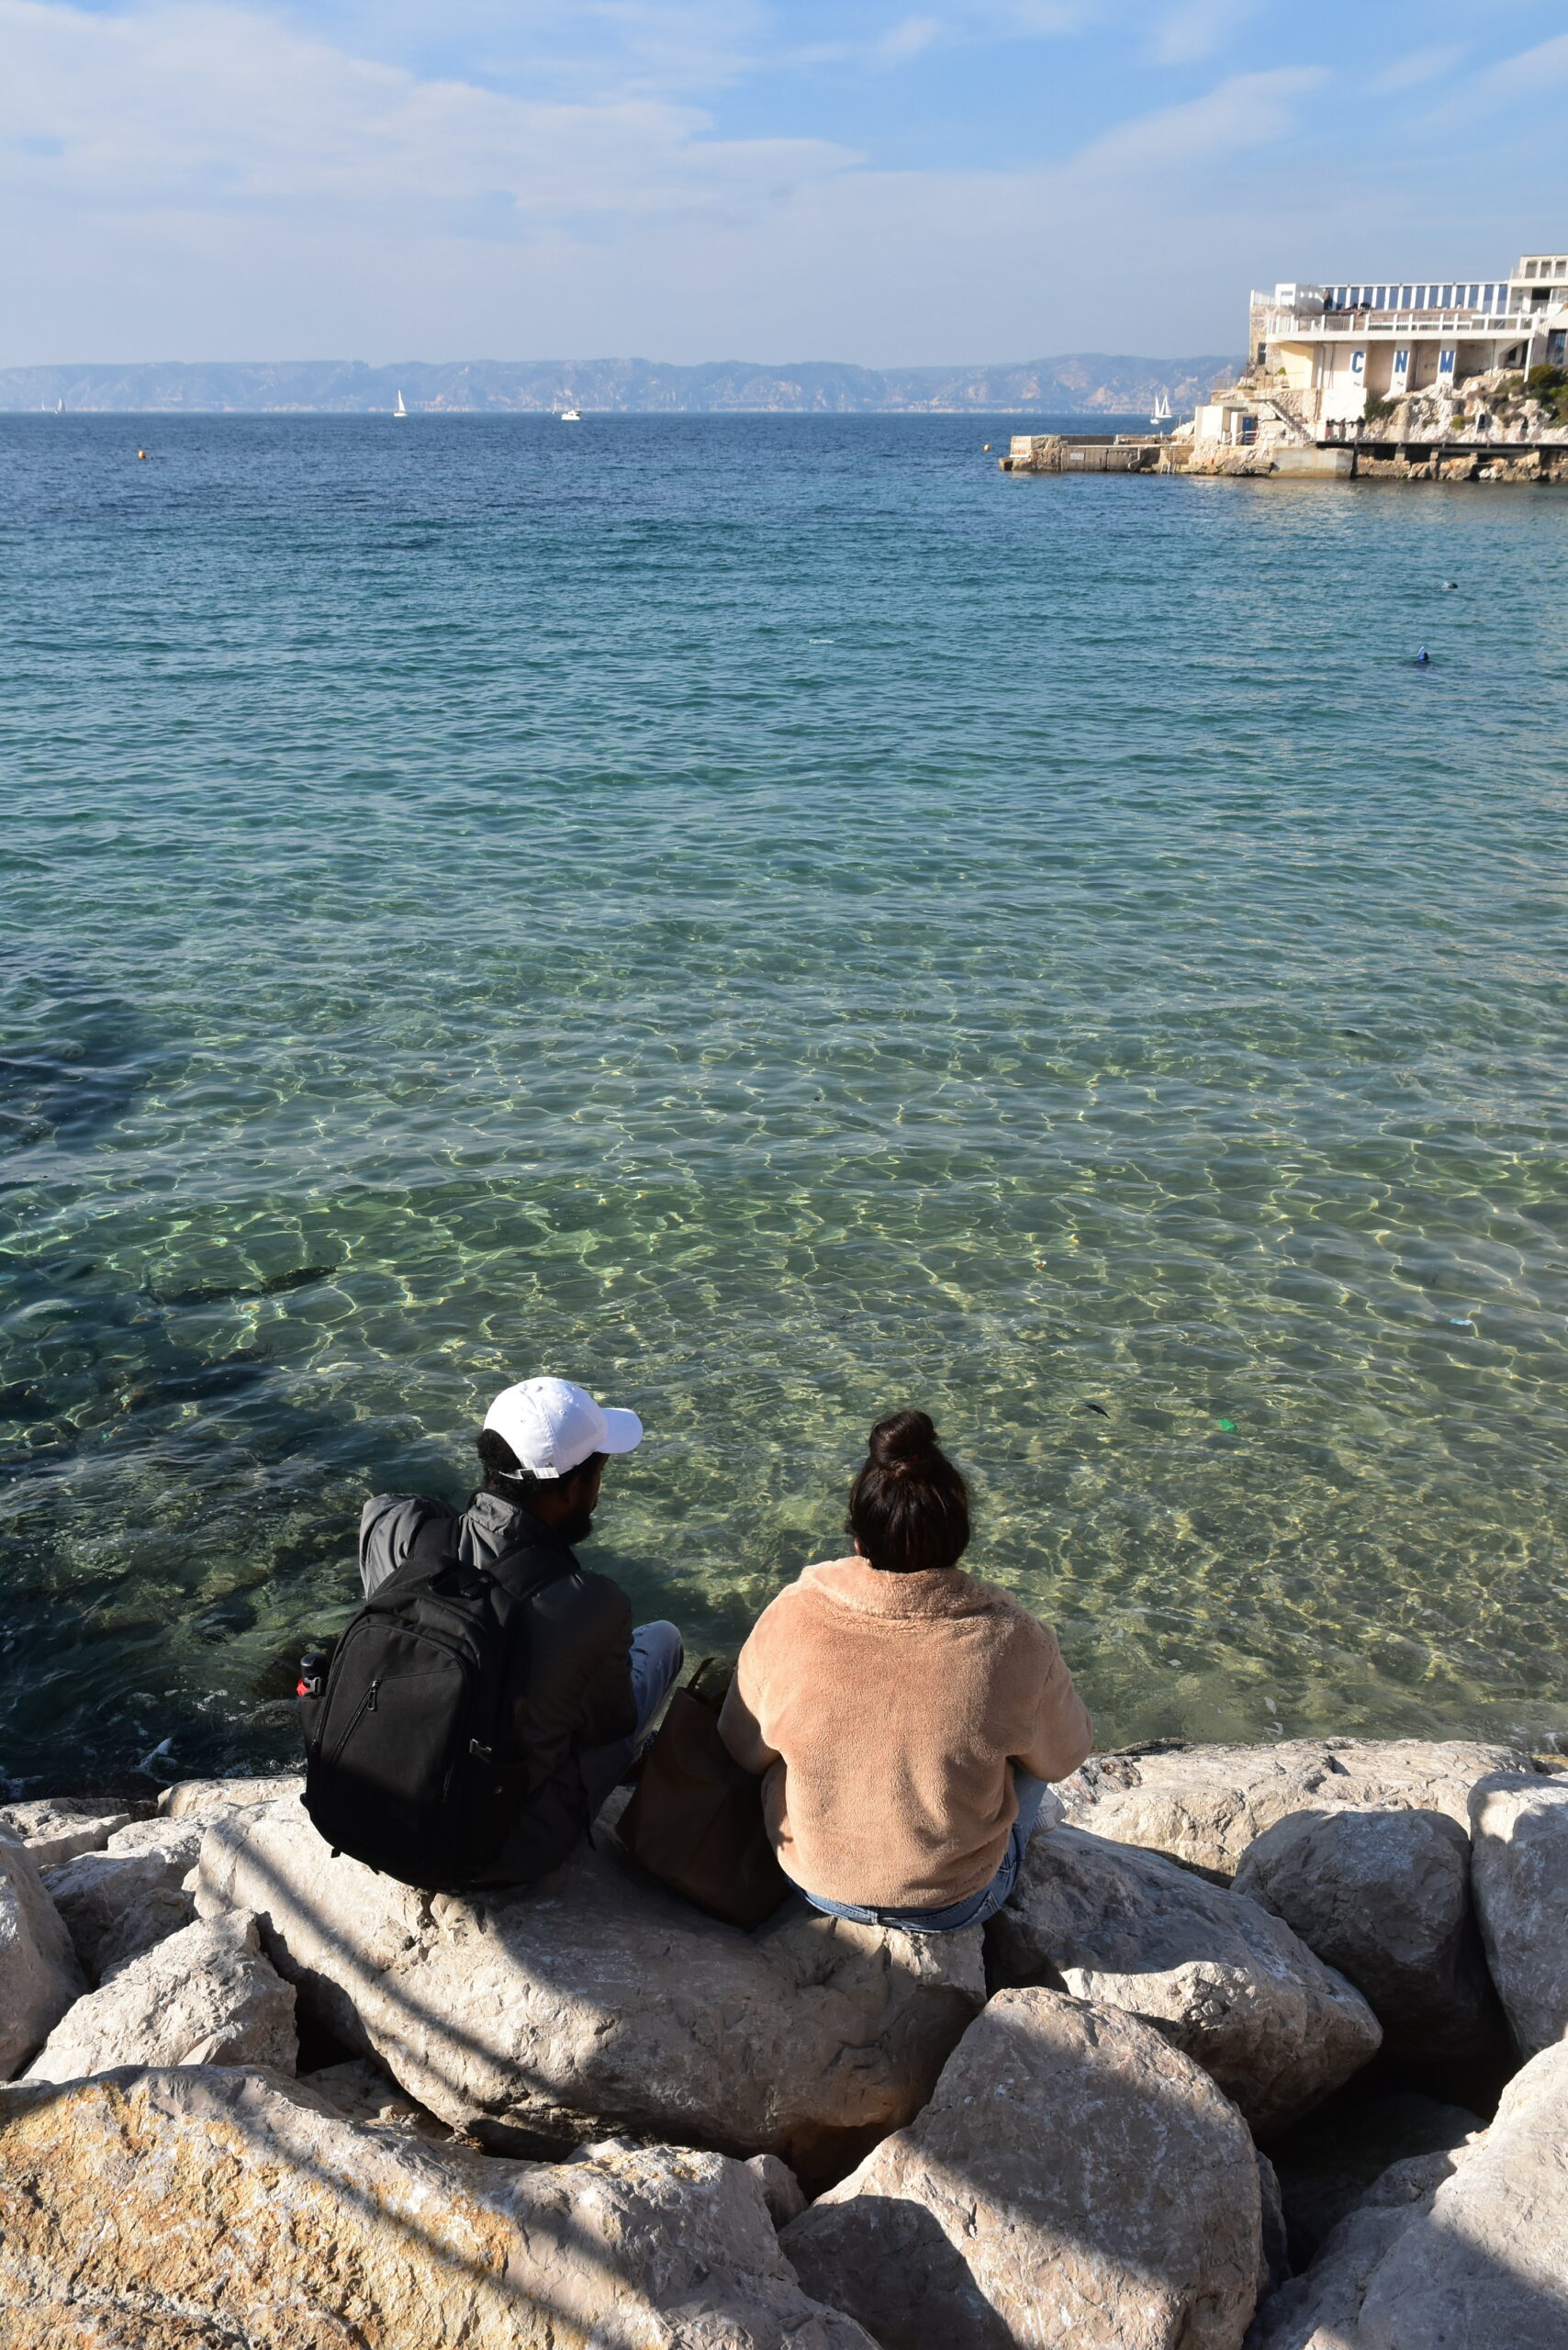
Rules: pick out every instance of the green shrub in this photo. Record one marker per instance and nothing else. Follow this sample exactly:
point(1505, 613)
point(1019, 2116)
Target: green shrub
point(1374, 407)
point(1549, 386)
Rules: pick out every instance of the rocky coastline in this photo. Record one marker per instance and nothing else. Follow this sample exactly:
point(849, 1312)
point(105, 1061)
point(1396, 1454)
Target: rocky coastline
point(1266, 2053)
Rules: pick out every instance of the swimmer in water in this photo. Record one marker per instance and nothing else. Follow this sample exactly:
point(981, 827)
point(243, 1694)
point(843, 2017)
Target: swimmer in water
point(1423, 658)
point(142, 454)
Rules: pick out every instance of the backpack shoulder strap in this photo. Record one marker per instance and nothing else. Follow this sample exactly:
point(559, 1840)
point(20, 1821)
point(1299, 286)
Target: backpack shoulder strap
point(435, 1540)
point(524, 1567)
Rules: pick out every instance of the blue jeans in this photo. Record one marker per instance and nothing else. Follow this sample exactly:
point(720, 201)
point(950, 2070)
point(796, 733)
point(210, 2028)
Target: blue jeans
point(658, 1656)
point(976, 1908)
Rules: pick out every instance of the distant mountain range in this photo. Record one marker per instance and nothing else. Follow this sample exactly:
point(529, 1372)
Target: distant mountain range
point(1085, 384)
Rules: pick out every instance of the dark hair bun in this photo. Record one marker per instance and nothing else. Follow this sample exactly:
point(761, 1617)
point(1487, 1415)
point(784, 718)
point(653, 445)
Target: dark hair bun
point(909, 1509)
point(904, 1436)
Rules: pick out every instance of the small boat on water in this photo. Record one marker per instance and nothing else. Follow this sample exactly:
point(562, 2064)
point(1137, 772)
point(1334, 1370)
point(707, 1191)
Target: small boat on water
point(570, 415)
point(1160, 414)
point(399, 409)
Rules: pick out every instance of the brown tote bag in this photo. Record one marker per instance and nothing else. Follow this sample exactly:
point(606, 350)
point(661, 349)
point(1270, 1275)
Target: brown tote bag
point(695, 1817)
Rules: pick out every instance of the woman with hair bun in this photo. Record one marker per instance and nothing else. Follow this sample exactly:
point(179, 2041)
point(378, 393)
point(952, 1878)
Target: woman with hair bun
point(906, 1717)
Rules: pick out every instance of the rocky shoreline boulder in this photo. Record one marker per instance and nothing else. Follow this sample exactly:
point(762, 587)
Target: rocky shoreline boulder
point(1203, 1805)
point(56, 1828)
point(204, 1996)
point(119, 1900)
point(596, 2000)
point(1383, 1895)
point(1460, 2251)
point(1521, 1892)
point(1074, 2184)
point(1216, 1974)
point(39, 1976)
point(210, 2208)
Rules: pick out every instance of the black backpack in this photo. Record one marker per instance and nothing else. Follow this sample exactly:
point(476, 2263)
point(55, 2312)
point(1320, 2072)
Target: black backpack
point(412, 1762)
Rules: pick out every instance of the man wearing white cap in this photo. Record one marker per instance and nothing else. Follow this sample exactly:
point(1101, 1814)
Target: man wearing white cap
point(590, 1684)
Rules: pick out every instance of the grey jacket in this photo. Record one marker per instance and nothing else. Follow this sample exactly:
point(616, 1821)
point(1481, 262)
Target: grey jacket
point(573, 1688)
point(388, 1523)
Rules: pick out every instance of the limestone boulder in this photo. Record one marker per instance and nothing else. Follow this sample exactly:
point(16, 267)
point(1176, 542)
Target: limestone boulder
point(1327, 2162)
point(363, 2091)
point(207, 1996)
point(1383, 1895)
point(596, 2000)
point(1217, 1975)
point(40, 1977)
point(211, 1798)
point(118, 1902)
point(1323, 2305)
point(1075, 2184)
point(1520, 1875)
point(1459, 2251)
point(56, 1828)
point(1204, 1805)
point(211, 2209)
point(781, 2190)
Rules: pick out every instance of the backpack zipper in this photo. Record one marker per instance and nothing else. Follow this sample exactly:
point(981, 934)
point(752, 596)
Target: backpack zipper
point(365, 1706)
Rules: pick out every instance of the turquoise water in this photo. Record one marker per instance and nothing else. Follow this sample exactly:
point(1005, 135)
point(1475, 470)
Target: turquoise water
point(777, 920)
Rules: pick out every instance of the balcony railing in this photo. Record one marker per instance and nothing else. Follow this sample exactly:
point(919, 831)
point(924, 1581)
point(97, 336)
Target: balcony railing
point(1286, 325)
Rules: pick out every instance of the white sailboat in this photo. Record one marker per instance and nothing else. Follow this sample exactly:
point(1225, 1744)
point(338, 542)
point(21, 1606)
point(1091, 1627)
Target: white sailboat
point(59, 407)
point(399, 409)
point(570, 415)
point(1160, 414)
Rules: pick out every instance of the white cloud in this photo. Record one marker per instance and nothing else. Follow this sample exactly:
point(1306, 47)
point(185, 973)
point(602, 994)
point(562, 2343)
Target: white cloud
point(1532, 72)
point(1250, 111)
point(1421, 65)
point(219, 110)
point(907, 39)
point(1198, 28)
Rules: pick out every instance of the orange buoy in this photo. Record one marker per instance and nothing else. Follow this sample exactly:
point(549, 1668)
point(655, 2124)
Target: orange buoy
point(143, 454)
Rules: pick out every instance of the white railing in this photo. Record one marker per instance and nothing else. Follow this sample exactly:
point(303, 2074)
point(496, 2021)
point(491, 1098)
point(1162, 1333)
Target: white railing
point(1288, 325)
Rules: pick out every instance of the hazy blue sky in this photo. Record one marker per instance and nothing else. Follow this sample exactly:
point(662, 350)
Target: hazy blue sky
point(687, 179)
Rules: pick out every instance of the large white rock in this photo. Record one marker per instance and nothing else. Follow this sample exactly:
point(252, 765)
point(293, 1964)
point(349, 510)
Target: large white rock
point(1203, 1805)
point(118, 1902)
point(1217, 1975)
point(1520, 1875)
point(204, 1996)
point(1075, 2184)
point(1463, 2251)
point(1385, 1896)
point(209, 2209)
point(56, 1828)
point(595, 1998)
point(38, 1974)
point(211, 1798)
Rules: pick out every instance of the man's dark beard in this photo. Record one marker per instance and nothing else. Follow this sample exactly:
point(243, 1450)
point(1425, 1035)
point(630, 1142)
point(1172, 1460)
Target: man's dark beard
point(577, 1528)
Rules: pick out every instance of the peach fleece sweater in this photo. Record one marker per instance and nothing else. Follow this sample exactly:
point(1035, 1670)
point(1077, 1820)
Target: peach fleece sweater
point(885, 1710)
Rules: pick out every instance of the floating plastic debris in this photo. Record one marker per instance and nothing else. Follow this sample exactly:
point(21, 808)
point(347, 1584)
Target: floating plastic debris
point(1229, 1425)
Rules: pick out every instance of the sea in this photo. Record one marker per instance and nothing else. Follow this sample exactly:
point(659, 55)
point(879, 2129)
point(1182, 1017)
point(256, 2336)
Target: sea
point(777, 920)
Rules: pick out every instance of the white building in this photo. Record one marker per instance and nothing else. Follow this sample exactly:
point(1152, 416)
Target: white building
point(1328, 347)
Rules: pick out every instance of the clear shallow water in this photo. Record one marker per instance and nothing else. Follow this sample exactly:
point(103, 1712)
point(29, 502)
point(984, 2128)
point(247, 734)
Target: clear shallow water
point(777, 920)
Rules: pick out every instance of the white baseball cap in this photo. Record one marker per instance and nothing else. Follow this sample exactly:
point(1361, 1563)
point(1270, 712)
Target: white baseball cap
point(552, 1425)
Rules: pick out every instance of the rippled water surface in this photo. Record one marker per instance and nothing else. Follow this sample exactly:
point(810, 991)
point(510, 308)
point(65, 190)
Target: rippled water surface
point(777, 920)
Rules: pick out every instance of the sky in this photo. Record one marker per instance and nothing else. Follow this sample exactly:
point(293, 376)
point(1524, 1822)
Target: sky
point(980, 180)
